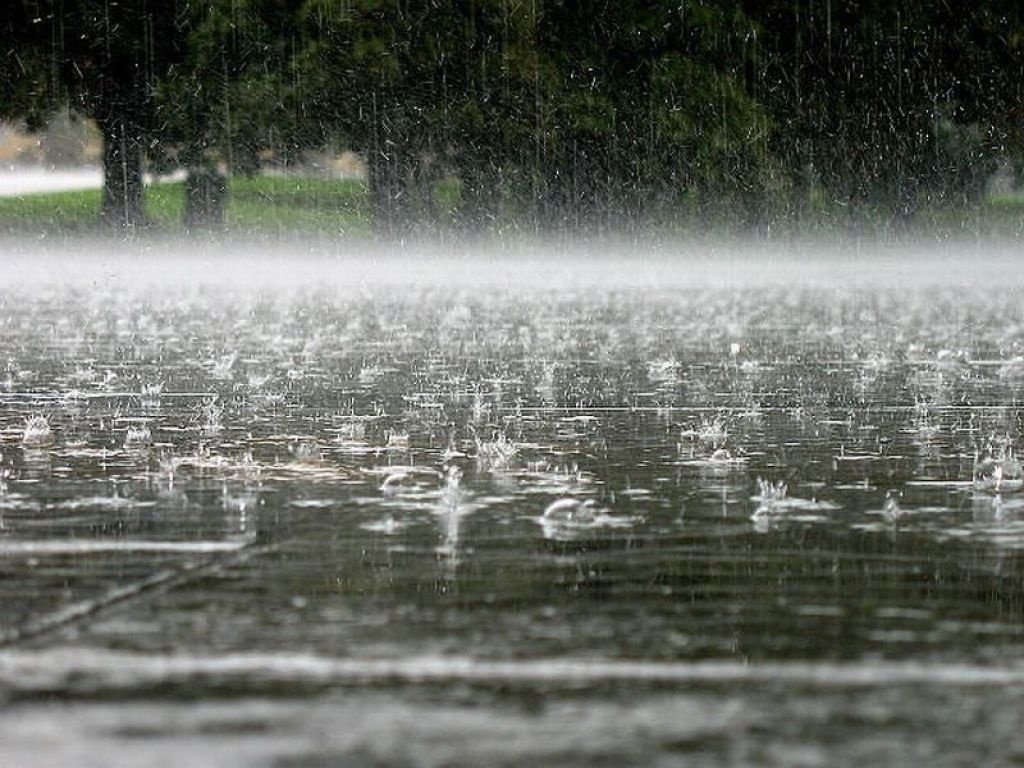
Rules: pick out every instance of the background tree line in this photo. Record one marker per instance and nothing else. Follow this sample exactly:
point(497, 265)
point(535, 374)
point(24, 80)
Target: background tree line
point(545, 114)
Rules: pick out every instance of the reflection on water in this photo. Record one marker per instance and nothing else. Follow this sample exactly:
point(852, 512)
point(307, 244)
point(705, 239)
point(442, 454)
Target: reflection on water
point(559, 493)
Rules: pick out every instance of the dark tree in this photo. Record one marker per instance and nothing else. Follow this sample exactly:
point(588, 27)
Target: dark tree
point(371, 68)
point(644, 111)
point(553, 114)
point(563, 114)
point(102, 58)
point(233, 100)
point(888, 107)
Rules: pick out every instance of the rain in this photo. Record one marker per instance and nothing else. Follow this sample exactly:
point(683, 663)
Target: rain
point(510, 383)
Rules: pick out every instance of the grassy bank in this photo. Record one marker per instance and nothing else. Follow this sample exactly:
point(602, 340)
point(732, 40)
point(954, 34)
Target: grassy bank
point(259, 205)
point(295, 205)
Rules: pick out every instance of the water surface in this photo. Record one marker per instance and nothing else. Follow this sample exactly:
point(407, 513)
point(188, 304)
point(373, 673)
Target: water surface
point(688, 508)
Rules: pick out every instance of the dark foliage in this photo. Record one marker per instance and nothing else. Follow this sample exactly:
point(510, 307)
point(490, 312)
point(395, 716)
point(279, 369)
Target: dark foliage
point(544, 114)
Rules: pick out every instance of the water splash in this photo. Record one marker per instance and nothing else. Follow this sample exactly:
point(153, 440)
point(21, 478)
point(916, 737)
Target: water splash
point(137, 437)
point(222, 367)
point(402, 480)
point(891, 510)
point(37, 432)
point(997, 469)
point(496, 453)
point(150, 394)
point(774, 503)
point(212, 413)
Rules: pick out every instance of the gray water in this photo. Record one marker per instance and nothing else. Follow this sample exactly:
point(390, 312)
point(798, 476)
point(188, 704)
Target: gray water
point(696, 509)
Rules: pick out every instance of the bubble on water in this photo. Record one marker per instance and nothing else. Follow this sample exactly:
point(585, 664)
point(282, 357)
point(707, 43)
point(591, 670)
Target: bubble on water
point(410, 479)
point(571, 510)
point(570, 517)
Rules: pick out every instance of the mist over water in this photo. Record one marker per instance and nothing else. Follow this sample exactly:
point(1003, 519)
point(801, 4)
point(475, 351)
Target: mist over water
point(658, 503)
point(556, 264)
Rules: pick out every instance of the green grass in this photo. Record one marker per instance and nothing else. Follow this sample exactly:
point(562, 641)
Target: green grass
point(297, 205)
point(258, 205)
point(165, 205)
point(51, 212)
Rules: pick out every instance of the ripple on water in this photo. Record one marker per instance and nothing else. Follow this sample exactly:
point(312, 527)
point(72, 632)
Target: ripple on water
point(407, 471)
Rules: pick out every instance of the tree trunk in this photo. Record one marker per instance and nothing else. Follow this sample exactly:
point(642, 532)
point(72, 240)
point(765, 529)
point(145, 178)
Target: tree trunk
point(389, 194)
point(205, 194)
point(122, 174)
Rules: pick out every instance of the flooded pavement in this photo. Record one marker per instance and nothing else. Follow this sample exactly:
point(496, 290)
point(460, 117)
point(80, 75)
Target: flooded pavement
point(396, 512)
